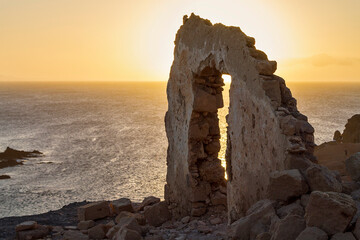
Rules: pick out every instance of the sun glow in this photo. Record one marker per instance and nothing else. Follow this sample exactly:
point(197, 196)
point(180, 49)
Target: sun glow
point(133, 41)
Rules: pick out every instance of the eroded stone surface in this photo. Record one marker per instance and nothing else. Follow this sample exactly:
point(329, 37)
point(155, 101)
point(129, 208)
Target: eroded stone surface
point(264, 125)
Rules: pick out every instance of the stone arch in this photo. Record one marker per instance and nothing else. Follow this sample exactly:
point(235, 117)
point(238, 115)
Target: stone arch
point(266, 132)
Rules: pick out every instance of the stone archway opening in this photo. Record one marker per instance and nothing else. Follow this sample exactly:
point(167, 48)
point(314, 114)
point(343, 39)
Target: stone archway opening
point(207, 142)
point(222, 115)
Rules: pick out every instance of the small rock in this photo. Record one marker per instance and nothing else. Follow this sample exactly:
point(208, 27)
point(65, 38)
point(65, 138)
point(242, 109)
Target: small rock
point(85, 225)
point(26, 226)
point(74, 235)
point(157, 214)
point(93, 211)
point(185, 219)
point(353, 166)
point(215, 221)
point(125, 222)
point(127, 234)
point(39, 232)
point(263, 236)
point(286, 184)
point(122, 204)
point(343, 236)
point(204, 229)
point(304, 200)
point(317, 212)
point(312, 233)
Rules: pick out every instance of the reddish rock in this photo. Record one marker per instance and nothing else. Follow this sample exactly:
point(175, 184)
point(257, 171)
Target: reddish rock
point(286, 184)
point(148, 201)
point(97, 232)
point(85, 225)
point(26, 226)
point(312, 233)
point(93, 211)
point(122, 204)
point(157, 214)
point(204, 102)
point(36, 233)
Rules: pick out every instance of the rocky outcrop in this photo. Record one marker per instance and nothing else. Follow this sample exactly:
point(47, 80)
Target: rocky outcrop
point(266, 132)
point(10, 157)
point(351, 132)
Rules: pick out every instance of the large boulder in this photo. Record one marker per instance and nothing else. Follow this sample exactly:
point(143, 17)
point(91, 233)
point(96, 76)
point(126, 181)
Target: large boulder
point(124, 223)
point(320, 178)
point(330, 211)
point(286, 184)
point(353, 166)
point(312, 233)
point(157, 214)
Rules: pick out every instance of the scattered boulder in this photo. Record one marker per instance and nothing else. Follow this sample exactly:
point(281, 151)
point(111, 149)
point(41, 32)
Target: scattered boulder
point(320, 178)
point(85, 225)
point(286, 184)
point(93, 211)
point(122, 204)
point(312, 233)
point(148, 201)
point(343, 236)
point(353, 166)
point(128, 234)
point(289, 228)
point(38, 232)
point(259, 213)
point(125, 222)
point(97, 232)
point(26, 226)
point(157, 214)
point(318, 213)
point(291, 209)
point(74, 235)
point(357, 229)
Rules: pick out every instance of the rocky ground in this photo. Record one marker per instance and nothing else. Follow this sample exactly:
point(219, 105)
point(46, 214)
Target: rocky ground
point(119, 219)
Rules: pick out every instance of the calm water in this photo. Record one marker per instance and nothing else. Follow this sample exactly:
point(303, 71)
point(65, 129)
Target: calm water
point(107, 140)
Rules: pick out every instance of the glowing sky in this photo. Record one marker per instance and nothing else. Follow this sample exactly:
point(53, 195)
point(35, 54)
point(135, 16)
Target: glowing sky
point(108, 40)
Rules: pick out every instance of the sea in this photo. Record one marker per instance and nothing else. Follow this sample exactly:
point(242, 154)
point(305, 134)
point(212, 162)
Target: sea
point(106, 140)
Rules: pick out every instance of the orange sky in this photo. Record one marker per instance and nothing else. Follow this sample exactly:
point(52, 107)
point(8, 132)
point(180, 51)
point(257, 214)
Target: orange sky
point(87, 40)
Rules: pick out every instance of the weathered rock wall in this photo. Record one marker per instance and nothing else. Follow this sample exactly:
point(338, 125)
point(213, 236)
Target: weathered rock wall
point(265, 130)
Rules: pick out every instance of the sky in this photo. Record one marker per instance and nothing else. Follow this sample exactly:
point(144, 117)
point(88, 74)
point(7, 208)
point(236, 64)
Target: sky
point(97, 40)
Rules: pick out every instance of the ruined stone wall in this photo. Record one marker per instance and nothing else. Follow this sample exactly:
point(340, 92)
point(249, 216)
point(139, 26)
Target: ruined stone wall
point(265, 130)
